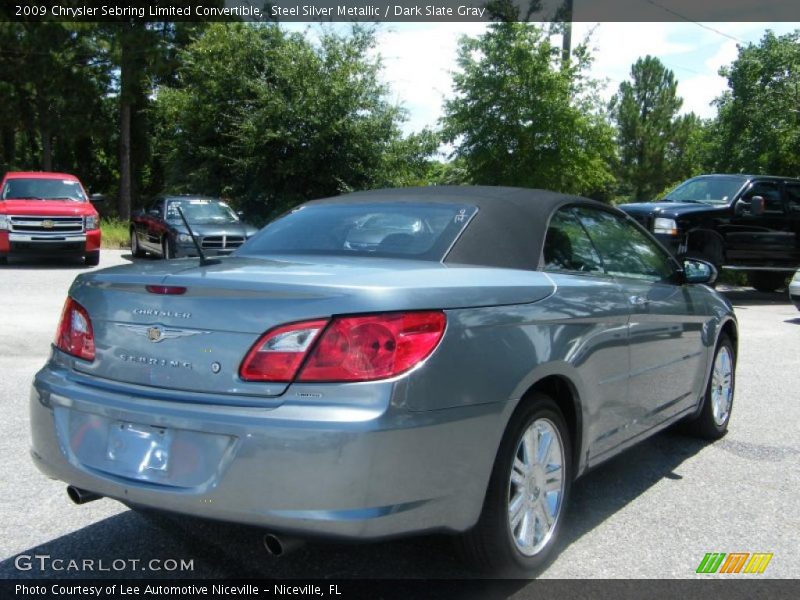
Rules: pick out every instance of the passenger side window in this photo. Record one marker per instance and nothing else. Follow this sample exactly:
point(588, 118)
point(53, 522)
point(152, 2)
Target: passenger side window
point(770, 192)
point(793, 197)
point(624, 250)
point(567, 247)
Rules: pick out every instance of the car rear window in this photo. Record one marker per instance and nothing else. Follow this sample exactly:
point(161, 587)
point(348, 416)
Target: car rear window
point(42, 189)
point(422, 231)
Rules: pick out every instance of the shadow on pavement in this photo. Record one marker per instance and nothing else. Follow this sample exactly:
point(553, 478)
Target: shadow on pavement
point(742, 297)
point(610, 487)
point(222, 550)
point(44, 263)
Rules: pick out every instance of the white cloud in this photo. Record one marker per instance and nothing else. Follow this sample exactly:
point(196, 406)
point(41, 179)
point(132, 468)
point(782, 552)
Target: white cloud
point(417, 65)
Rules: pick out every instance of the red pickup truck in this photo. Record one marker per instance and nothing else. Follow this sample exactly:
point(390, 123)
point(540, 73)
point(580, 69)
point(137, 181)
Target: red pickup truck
point(47, 214)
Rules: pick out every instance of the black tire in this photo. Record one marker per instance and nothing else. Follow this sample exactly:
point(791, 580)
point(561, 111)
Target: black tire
point(706, 425)
point(166, 249)
point(3, 260)
point(92, 259)
point(489, 546)
point(136, 249)
point(766, 281)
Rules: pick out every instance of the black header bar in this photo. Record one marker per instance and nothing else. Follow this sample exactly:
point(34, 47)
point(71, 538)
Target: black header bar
point(399, 10)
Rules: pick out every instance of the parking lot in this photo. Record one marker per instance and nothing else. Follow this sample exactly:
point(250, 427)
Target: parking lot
point(651, 513)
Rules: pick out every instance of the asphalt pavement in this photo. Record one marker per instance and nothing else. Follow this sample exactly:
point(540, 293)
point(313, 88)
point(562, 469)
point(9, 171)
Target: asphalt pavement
point(652, 512)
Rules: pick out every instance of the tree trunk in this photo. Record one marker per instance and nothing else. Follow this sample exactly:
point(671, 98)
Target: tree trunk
point(124, 204)
point(47, 148)
point(566, 40)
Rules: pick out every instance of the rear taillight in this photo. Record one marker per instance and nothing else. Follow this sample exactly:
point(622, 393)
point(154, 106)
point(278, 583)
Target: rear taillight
point(74, 335)
point(362, 348)
point(278, 353)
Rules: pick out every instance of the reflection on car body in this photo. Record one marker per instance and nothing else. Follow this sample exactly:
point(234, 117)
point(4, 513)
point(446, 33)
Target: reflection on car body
point(458, 385)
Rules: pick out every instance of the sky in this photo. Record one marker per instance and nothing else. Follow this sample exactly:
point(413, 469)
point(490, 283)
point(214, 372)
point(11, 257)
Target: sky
point(419, 57)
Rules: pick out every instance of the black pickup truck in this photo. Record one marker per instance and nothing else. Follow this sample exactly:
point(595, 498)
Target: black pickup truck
point(744, 222)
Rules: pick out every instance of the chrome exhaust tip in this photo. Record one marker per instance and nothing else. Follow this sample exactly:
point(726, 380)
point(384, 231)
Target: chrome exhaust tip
point(79, 496)
point(279, 546)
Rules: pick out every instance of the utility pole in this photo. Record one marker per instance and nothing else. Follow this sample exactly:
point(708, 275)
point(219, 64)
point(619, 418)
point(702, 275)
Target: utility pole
point(566, 40)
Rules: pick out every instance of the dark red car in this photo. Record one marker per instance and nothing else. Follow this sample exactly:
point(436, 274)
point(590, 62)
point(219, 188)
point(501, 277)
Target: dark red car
point(47, 214)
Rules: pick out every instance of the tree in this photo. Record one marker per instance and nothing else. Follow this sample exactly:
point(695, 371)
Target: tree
point(758, 123)
point(264, 116)
point(145, 55)
point(55, 115)
point(519, 117)
point(650, 135)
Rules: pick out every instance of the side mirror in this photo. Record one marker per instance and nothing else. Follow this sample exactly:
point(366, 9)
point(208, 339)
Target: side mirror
point(154, 212)
point(755, 207)
point(699, 271)
point(95, 198)
point(240, 214)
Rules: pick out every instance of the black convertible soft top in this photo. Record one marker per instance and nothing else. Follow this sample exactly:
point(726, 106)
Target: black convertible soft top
point(508, 230)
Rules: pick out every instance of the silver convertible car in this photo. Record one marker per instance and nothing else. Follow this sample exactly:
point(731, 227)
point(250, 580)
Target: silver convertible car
point(387, 363)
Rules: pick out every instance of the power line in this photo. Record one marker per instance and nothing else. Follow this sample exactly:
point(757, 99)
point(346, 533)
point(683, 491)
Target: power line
point(687, 19)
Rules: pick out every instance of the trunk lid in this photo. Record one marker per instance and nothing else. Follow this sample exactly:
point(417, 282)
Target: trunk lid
point(196, 341)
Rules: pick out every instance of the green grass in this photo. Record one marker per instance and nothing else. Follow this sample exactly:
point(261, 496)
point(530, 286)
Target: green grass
point(114, 233)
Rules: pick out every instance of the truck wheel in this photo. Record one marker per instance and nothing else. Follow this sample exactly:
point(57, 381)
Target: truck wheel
point(92, 259)
point(766, 281)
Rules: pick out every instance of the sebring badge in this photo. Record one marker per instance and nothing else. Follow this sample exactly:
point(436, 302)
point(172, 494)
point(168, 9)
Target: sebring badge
point(157, 333)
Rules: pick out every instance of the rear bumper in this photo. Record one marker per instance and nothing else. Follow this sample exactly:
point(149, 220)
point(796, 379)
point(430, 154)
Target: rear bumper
point(364, 471)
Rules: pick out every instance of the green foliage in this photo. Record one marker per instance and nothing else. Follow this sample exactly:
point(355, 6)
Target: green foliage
point(114, 233)
point(521, 118)
point(454, 172)
point(263, 115)
point(758, 124)
point(656, 146)
point(54, 112)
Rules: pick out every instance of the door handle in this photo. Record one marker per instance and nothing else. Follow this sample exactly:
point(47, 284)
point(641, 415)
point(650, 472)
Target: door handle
point(638, 301)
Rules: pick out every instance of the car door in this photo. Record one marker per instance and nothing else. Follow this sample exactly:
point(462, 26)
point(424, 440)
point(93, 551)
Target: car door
point(760, 239)
point(665, 323)
point(592, 316)
point(153, 226)
point(791, 193)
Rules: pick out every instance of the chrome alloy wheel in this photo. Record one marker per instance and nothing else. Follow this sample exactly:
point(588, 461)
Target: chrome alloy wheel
point(722, 385)
point(536, 487)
